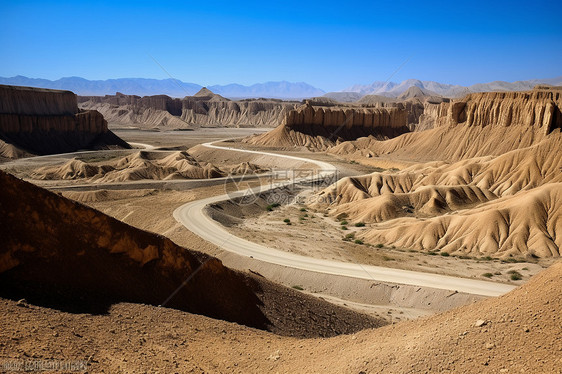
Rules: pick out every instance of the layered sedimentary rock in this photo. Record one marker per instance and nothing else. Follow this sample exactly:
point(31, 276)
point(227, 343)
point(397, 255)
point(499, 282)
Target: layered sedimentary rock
point(44, 121)
point(319, 127)
point(202, 109)
point(480, 124)
point(497, 193)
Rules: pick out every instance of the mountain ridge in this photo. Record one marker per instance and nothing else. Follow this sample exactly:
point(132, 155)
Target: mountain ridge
point(393, 89)
point(170, 87)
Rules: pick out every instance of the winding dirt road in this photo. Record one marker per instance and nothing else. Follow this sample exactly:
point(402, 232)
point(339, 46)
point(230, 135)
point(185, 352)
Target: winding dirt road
point(194, 217)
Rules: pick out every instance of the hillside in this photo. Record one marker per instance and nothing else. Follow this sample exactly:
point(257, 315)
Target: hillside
point(57, 251)
point(517, 332)
point(494, 191)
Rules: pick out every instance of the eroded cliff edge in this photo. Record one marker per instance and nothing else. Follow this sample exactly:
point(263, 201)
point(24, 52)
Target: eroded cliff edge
point(42, 121)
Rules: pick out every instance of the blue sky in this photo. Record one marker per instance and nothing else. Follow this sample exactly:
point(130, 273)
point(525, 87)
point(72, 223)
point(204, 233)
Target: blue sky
point(330, 45)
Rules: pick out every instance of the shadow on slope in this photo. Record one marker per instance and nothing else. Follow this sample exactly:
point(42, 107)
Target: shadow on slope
point(61, 254)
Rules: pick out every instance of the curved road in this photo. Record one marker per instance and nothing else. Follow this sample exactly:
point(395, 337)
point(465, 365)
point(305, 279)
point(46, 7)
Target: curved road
point(193, 216)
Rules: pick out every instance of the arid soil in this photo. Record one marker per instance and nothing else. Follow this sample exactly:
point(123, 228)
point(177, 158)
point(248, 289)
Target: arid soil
point(518, 332)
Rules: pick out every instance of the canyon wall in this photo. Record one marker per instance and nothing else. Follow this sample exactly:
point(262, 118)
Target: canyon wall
point(538, 109)
point(44, 121)
point(36, 101)
point(320, 127)
point(480, 124)
point(203, 109)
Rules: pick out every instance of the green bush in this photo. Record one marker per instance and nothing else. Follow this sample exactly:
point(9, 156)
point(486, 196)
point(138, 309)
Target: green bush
point(445, 254)
point(344, 222)
point(380, 245)
point(270, 207)
point(488, 275)
point(515, 276)
point(360, 224)
point(358, 241)
point(298, 288)
point(303, 209)
point(344, 227)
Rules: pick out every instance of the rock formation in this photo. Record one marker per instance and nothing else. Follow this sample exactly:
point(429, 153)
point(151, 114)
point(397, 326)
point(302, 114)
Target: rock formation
point(480, 124)
point(202, 109)
point(44, 121)
point(495, 192)
point(319, 127)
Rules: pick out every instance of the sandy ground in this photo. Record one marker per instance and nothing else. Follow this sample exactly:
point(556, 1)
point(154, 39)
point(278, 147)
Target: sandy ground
point(516, 333)
point(313, 234)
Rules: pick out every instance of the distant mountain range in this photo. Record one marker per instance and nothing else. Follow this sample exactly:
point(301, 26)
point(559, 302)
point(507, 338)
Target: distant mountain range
point(279, 90)
point(170, 87)
point(392, 89)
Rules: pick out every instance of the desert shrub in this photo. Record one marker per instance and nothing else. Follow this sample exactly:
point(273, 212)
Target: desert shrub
point(358, 241)
point(360, 224)
point(488, 275)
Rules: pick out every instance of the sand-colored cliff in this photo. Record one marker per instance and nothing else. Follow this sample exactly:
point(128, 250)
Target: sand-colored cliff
point(44, 121)
point(320, 127)
point(480, 124)
point(202, 109)
point(496, 192)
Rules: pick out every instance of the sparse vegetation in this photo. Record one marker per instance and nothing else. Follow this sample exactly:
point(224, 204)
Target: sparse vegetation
point(380, 245)
point(344, 222)
point(303, 209)
point(349, 237)
point(445, 254)
point(488, 275)
point(387, 258)
point(360, 224)
point(344, 227)
point(270, 207)
point(296, 287)
point(515, 275)
point(358, 241)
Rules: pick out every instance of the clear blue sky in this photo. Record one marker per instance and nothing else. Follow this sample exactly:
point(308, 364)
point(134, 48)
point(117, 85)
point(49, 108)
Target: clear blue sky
point(330, 45)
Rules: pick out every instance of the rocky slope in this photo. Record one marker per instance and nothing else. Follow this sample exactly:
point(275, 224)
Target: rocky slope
point(202, 109)
point(319, 127)
point(44, 121)
point(496, 192)
point(141, 165)
point(64, 255)
point(515, 333)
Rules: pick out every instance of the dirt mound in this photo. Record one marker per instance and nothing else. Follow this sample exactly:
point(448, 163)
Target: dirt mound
point(137, 166)
point(65, 255)
point(497, 206)
point(318, 128)
point(10, 151)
